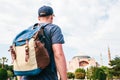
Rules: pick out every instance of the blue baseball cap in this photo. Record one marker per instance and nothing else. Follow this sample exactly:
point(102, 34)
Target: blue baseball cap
point(45, 11)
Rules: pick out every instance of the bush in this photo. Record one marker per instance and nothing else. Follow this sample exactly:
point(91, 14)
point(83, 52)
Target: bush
point(99, 74)
point(80, 73)
point(10, 73)
point(80, 70)
point(70, 75)
point(3, 74)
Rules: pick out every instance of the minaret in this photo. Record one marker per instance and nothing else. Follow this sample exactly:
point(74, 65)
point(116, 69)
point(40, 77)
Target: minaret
point(101, 60)
point(109, 55)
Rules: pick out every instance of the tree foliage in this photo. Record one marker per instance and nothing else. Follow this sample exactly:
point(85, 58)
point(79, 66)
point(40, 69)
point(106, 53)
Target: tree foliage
point(0, 65)
point(3, 74)
point(99, 74)
point(115, 64)
point(107, 72)
point(80, 73)
point(80, 70)
point(10, 73)
point(70, 75)
point(90, 72)
point(96, 73)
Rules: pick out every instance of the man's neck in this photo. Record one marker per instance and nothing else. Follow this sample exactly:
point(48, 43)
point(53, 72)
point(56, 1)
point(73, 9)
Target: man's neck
point(44, 22)
point(48, 19)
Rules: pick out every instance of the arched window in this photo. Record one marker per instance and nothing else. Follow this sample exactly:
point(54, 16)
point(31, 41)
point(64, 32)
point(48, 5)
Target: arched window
point(83, 63)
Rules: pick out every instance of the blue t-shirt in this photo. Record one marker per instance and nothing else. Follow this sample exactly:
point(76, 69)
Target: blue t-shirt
point(53, 35)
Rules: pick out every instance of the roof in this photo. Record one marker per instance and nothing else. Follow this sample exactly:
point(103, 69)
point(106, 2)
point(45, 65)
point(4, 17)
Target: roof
point(80, 57)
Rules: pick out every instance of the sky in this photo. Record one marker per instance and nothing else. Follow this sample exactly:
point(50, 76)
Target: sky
point(89, 26)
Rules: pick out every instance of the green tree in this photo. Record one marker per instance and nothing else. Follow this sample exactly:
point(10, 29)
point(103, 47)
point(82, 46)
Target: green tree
point(89, 73)
point(107, 72)
point(70, 75)
point(0, 65)
point(80, 73)
point(10, 68)
point(10, 73)
point(115, 64)
point(3, 74)
point(3, 60)
point(99, 74)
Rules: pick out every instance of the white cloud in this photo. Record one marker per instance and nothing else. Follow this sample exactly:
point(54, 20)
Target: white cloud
point(89, 26)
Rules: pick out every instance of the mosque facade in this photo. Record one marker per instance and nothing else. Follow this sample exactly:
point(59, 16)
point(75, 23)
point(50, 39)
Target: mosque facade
point(82, 61)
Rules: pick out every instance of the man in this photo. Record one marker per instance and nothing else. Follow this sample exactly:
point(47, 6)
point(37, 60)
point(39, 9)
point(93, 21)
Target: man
point(53, 42)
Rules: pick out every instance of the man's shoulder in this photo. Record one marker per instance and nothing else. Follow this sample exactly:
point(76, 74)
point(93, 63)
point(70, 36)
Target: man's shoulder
point(52, 27)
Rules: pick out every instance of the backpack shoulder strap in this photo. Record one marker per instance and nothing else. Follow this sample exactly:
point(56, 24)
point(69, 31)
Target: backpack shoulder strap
point(40, 32)
point(42, 29)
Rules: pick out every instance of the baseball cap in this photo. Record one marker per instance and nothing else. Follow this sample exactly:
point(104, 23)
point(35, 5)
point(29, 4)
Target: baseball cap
point(45, 11)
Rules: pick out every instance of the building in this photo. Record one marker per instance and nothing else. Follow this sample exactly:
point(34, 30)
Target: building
point(82, 61)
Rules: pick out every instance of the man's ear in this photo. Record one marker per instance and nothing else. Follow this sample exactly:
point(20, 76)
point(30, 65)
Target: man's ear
point(39, 18)
point(52, 17)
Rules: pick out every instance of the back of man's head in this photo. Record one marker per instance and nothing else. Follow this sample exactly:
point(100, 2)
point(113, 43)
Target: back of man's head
point(45, 11)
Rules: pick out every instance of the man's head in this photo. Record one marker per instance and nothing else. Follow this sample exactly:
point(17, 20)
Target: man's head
point(45, 14)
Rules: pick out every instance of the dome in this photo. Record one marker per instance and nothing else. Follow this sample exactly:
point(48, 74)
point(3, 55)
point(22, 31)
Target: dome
point(80, 57)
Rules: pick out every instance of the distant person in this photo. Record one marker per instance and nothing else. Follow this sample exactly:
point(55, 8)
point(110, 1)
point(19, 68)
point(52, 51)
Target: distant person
point(53, 42)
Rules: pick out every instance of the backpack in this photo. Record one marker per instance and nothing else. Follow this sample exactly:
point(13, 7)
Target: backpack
point(28, 52)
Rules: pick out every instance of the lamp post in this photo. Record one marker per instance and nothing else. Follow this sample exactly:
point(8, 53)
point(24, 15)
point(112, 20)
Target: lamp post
point(3, 60)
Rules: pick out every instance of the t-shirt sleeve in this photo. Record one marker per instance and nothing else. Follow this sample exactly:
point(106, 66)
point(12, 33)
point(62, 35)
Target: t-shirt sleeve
point(57, 36)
